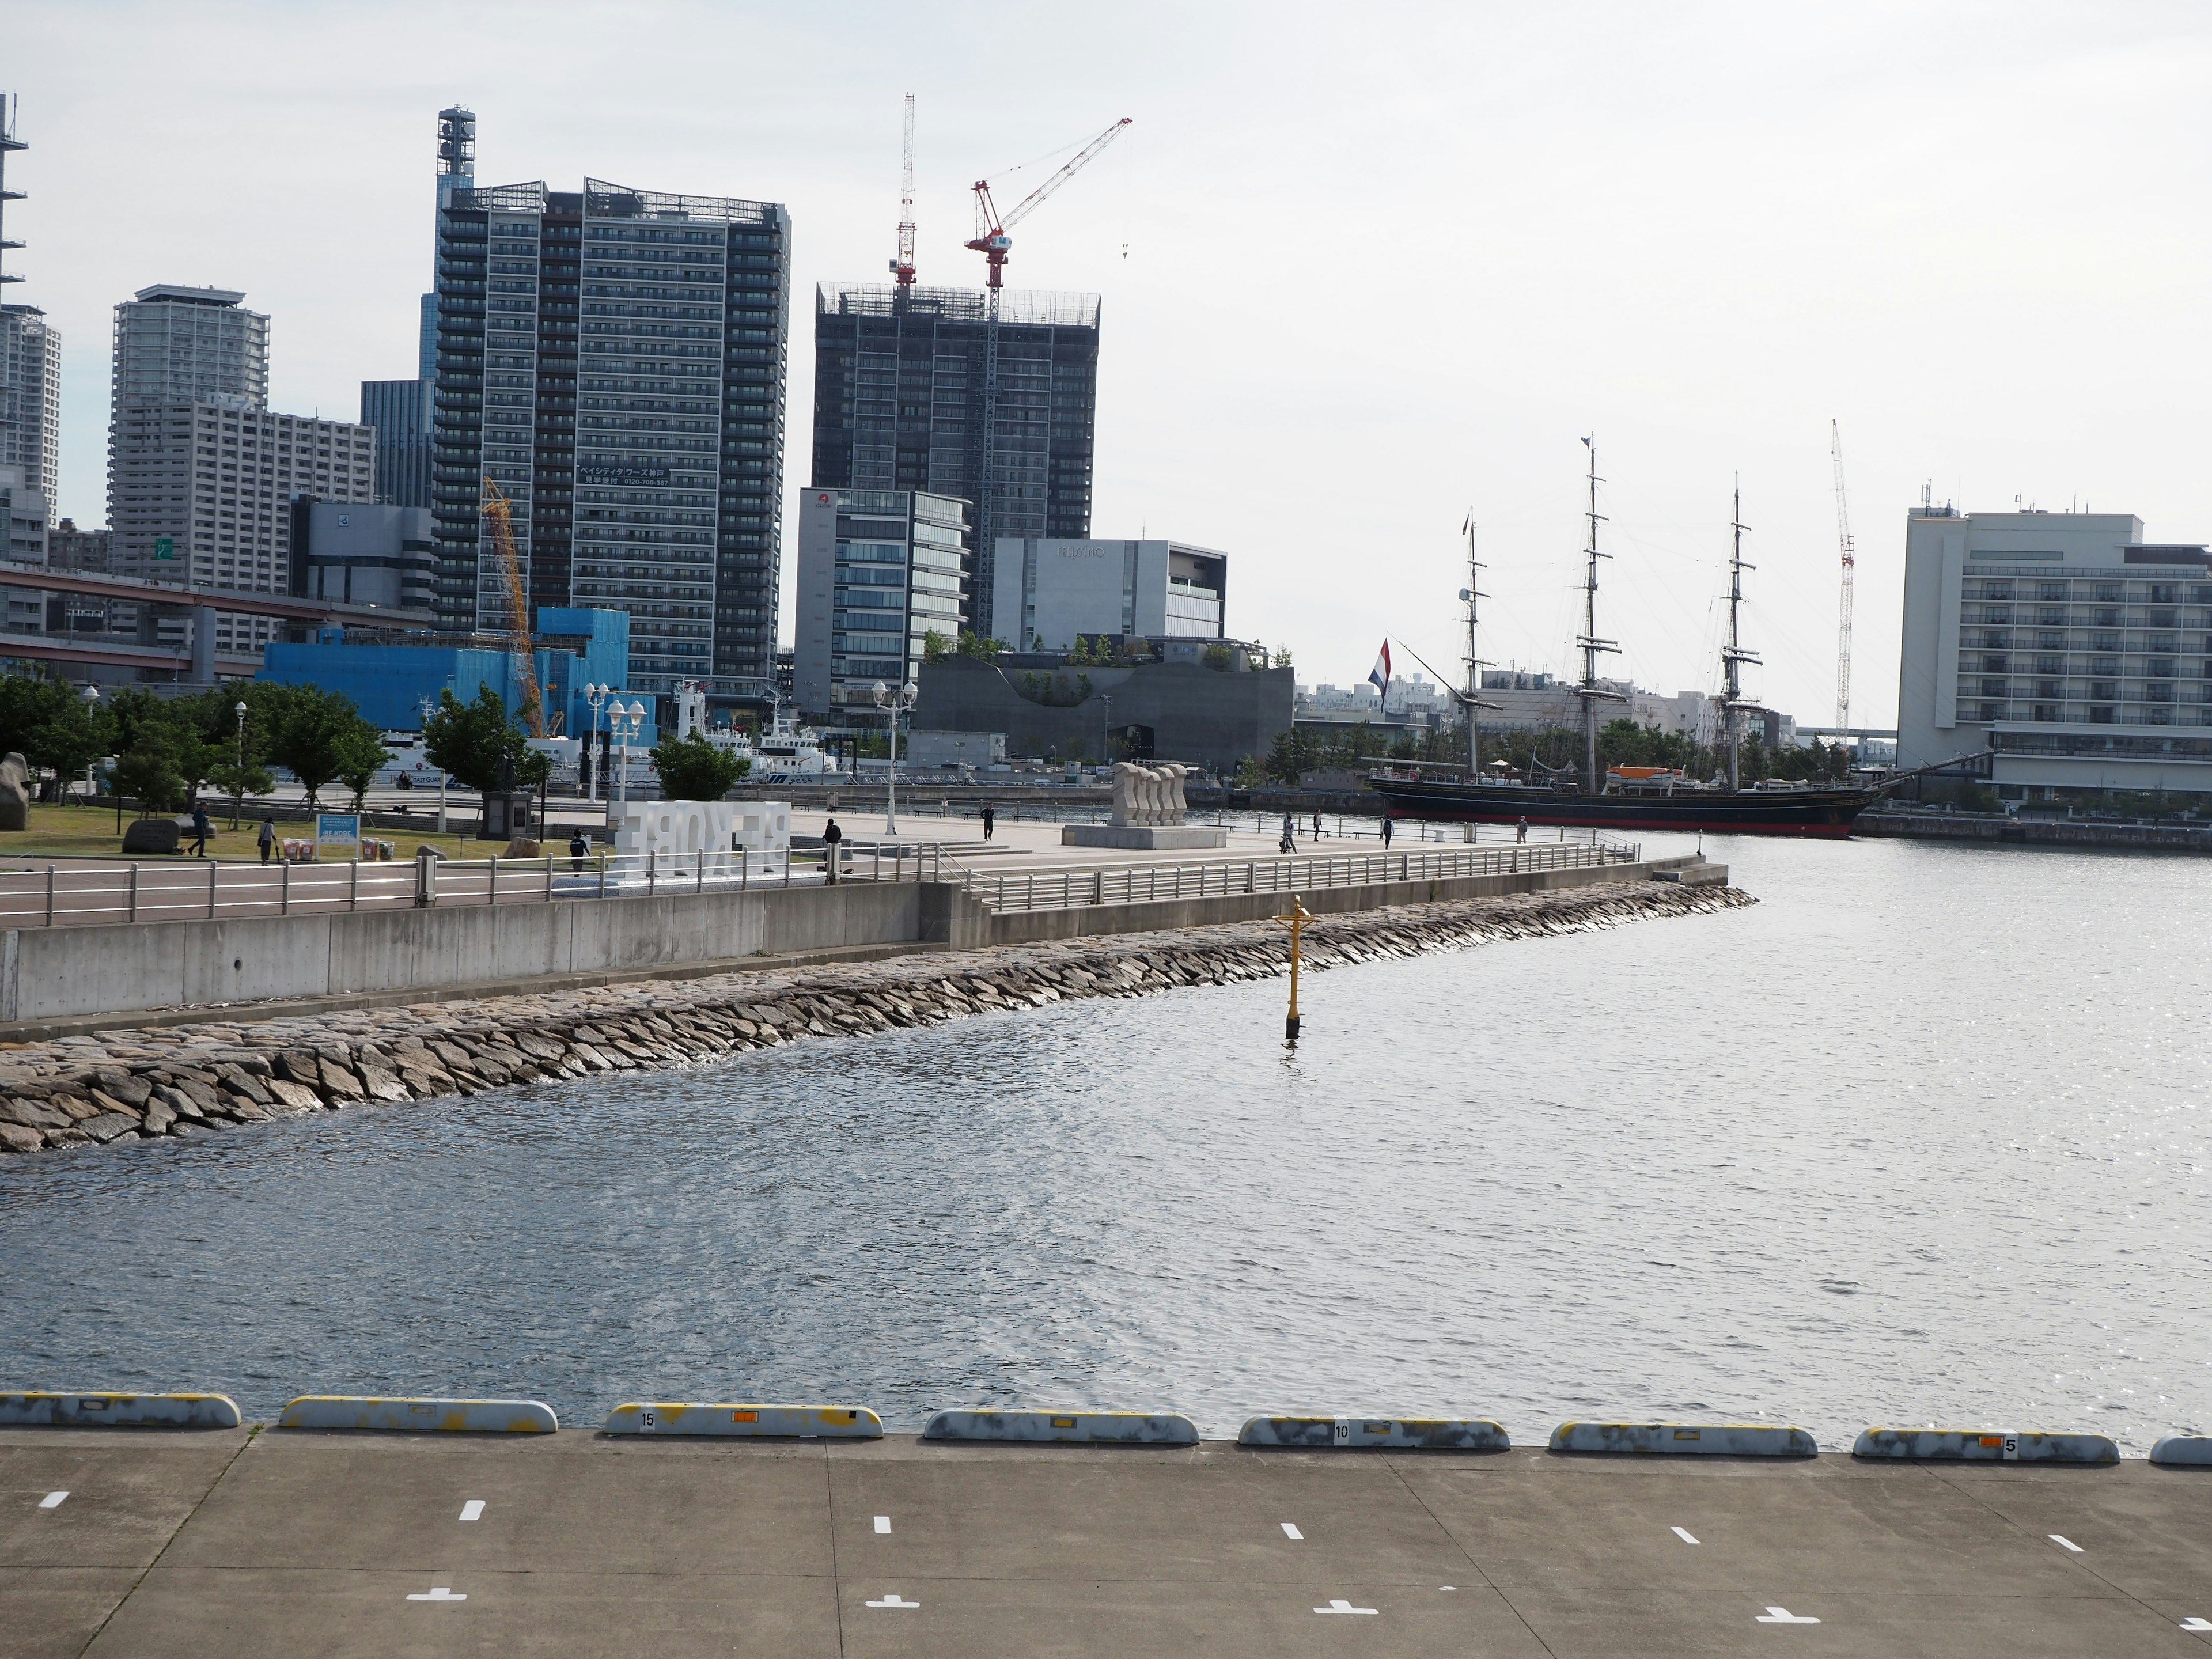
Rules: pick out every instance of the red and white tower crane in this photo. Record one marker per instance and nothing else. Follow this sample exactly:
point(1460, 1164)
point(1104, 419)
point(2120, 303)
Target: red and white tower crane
point(902, 265)
point(992, 241)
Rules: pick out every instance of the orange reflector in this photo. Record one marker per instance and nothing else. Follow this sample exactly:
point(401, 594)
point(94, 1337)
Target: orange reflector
point(1993, 1440)
point(744, 1417)
point(1063, 1422)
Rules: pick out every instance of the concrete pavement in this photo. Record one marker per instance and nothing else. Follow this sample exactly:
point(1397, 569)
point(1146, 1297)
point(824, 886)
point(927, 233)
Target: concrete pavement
point(264, 1543)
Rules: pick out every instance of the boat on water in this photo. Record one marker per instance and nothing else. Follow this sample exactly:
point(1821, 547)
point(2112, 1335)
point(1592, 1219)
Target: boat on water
point(1628, 798)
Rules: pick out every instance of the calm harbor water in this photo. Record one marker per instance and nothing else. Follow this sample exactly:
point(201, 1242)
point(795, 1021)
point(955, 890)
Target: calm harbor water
point(1923, 1137)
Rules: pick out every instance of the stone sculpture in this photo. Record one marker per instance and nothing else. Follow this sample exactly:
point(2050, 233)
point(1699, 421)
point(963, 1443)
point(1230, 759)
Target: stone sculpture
point(1148, 794)
point(15, 794)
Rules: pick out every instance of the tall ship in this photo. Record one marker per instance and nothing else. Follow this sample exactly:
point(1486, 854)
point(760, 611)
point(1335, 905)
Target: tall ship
point(1627, 797)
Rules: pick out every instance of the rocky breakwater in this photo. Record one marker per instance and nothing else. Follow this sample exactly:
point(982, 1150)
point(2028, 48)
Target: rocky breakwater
point(176, 1083)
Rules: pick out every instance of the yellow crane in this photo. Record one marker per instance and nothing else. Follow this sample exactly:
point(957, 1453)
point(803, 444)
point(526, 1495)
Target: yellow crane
point(501, 518)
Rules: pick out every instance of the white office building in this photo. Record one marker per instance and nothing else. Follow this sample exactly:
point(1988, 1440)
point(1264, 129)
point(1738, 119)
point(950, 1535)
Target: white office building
point(2076, 652)
point(177, 344)
point(31, 397)
point(879, 570)
point(1050, 590)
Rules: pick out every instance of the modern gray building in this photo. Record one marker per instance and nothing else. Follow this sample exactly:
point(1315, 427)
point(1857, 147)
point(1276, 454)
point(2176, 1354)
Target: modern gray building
point(361, 553)
point(612, 359)
point(878, 571)
point(1053, 591)
point(2076, 652)
point(899, 398)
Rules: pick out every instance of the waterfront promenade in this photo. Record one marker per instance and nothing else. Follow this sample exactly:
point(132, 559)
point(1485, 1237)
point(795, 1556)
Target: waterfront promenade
point(286, 1542)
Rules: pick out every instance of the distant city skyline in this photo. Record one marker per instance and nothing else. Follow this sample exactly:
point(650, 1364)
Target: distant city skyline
point(1363, 276)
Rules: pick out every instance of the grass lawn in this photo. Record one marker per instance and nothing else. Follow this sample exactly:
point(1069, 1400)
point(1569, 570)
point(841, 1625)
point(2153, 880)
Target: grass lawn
point(90, 832)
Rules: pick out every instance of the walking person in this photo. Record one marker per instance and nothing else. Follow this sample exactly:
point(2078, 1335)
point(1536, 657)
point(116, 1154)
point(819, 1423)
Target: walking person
point(201, 831)
point(579, 850)
point(1316, 826)
point(1386, 832)
point(990, 820)
point(1290, 842)
point(265, 838)
point(1521, 832)
point(831, 838)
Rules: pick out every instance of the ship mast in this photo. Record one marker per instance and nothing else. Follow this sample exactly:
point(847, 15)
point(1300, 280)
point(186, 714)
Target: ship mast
point(1588, 643)
point(1473, 697)
point(1732, 655)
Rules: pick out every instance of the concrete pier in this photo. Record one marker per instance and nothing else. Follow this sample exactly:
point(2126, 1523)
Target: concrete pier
point(283, 1543)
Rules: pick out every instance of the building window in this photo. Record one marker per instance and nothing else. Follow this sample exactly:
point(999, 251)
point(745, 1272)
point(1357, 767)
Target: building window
point(1993, 711)
point(2158, 716)
point(2051, 590)
point(1996, 639)
point(2165, 592)
point(2162, 666)
point(2047, 689)
point(2046, 711)
point(1995, 688)
point(2108, 592)
point(2101, 714)
point(1996, 613)
point(2051, 665)
point(2158, 691)
point(2104, 687)
point(2165, 619)
point(1996, 590)
point(1995, 664)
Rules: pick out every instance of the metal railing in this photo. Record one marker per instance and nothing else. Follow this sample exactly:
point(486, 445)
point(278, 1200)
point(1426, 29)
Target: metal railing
point(79, 895)
point(1127, 883)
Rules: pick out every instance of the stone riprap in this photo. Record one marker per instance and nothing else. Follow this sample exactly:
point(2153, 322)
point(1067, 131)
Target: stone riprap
point(178, 1082)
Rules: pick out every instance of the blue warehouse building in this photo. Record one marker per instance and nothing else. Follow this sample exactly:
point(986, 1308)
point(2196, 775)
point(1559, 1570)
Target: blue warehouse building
point(575, 648)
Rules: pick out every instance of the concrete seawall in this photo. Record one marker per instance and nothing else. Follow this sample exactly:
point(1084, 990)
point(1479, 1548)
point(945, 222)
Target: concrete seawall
point(54, 974)
point(187, 1081)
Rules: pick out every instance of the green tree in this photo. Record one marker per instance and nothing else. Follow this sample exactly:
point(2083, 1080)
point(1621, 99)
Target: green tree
point(147, 772)
point(935, 647)
point(692, 769)
point(48, 722)
point(361, 755)
point(981, 646)
point(470, 740)
point(311, 733)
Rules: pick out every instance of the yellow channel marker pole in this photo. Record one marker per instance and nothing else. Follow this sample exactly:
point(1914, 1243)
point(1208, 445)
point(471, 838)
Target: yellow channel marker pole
point(1296, 922)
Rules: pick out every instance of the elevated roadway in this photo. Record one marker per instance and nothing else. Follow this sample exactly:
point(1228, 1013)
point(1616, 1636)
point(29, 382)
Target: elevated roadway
point(281, 1542)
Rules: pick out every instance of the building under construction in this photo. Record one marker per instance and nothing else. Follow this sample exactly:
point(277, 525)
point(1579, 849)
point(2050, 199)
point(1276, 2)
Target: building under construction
point(899, 401)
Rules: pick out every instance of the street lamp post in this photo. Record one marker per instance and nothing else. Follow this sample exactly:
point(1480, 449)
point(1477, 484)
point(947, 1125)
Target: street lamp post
point(622, 725)
point(596, 695)
point(428, 708)
point(1106, 734)
point(91, 695)
point(894, 703)
point(238, 795)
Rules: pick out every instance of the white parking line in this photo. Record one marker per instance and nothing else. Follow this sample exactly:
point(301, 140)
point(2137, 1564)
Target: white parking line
point(1783, 1616)
point(2194, 1623)
point(1291, 1531)
point(473, 1510)
point(441, 1594)
point(882, 1524)
point(891, 1600)
point(2065, 1543)
point(1338, 1604)
point(53, 1500)
point(1683, 1534)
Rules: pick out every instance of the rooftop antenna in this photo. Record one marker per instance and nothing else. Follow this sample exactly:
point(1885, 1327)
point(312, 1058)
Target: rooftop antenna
point(902, 264)
point(457, 152)
point(1843, 611)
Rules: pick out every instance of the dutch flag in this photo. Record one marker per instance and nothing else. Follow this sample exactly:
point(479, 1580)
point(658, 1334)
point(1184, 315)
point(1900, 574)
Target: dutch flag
point(1379, 678)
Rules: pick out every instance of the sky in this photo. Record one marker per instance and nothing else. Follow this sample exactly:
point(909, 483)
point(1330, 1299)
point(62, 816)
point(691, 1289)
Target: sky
point(1365, 271)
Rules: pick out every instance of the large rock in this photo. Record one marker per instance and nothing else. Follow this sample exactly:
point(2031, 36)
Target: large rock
point(151, 835)
point(15, 794)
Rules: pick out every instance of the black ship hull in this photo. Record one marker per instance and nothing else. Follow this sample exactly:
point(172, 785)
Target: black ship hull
point(1817, 812)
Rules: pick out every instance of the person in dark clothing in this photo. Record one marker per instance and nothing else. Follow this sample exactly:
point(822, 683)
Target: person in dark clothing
point(1521, 832)
point(1316, 826)
point(201, 831)
point(265, 838)
point(579, 850)
point(990, 818)
point(831, 837)
point(1386, 832)
point(1290, 842)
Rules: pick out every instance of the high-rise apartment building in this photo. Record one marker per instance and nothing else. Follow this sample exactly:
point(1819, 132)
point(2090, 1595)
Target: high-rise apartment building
point(613, 360)
point(201, 493)
point(879, 570)
point(2077, 653)
point(899, 404)
point(400, 412)
point(175, 344)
